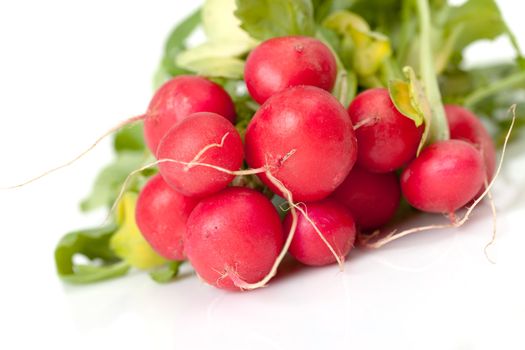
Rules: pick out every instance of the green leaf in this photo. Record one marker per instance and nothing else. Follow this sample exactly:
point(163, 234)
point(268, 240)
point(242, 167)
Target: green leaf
point(109, 181)
point(94, 245)
point(130, 138)
point(264, 19)
point(175, 44)
point(177, 40)
point(436, 128)
point(166, 273)
point(478, 19)
point(323, 8)
point(128, 243)
point(85, 274)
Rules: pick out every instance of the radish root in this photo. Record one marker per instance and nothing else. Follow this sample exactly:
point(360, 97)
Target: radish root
point(195, 160)
point(455, 223)
point(79, 156)
point(494, 226)
point(367, 121)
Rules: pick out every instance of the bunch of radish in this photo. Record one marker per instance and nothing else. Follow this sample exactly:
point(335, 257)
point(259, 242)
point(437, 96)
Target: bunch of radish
point(341, 170)
point(300, 128)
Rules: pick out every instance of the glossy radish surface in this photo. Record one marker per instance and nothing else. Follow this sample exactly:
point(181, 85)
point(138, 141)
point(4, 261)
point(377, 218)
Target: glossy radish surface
point(283, 62)
point(161, 215)
point(372, 198)
point(177, 99)
point(387, 139)
point(464, 125)
point(218, 143)
point(445, 177)
point(336, 224)
point(305, 135)
point(234, 231)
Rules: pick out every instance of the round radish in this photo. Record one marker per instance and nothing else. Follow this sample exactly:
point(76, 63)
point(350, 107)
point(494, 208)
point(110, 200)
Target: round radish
point(203, 138)
point(306, 138)
point(445, 177)
point(177, 99)
point(464, 125)
point(161, 215)
point(371, 198)
point(236, 231)
point(282, 62)
point(336, 225)
point(387, 139)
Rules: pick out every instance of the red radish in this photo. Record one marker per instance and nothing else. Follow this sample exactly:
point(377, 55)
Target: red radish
point(464, 125)
point(336, 225)
point(371, 198)
point(288, 61)
point(177, 99)
point(306, 138)
point(445, 177)
point(236, 231)
point(202, 138)
point(161, 215)
point(387, 139)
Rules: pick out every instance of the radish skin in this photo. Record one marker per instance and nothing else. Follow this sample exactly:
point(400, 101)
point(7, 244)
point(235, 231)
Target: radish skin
point(283, 62)
point(372, 198)
point(445, 177)
point(177, 99)
point(201, 138)
point(313, 126)
point(387, 139)
point(336, 225)
point(234, 231)
point(161, 216)
point(464, 125)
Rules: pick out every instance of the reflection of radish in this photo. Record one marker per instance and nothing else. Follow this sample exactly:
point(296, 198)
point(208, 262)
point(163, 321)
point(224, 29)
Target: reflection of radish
point(177, 99)
point(466, 126)
point(283, 62)
point(236, 232)
point(387, 139)
point(201, 138)
point(306, 138)
point(161, 216)
point(445, 177)
point(336, 225)
point(371, 198)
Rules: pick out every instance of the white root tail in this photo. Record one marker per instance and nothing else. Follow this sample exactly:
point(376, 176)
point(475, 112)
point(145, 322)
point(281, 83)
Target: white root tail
point(494, 226)
point(79, 156)
point(456, 223)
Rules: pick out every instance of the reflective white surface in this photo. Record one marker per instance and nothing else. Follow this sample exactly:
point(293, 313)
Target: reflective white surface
point(70, 71)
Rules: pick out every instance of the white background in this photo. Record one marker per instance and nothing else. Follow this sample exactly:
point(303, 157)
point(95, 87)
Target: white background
point(71, 70)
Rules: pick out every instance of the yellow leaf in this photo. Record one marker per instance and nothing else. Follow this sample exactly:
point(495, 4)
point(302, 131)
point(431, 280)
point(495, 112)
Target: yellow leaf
point(128, 243)
point(371, 48)
point(400, 95)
